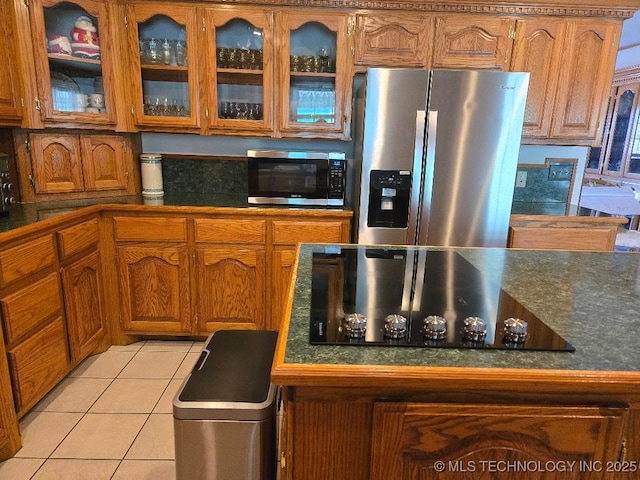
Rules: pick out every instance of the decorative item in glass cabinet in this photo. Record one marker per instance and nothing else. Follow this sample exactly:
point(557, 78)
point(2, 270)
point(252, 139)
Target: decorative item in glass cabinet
point(84, 38)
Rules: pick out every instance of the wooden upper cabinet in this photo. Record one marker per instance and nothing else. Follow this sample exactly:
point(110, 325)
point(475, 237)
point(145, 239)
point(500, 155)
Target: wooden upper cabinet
point(103, 162)
point(472, 41)
point(56, 163)
point(73, 53)
point(314, 73)
point(10, 87)
point(538, 50)
point(239, 79)
point(164, 62)
point(79, 163)
point(588, 60)
point(393, 40)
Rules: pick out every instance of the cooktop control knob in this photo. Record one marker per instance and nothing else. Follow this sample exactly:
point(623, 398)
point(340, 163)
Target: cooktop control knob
point(515, 330)
point(475, 330)
point(435, 327)
point(395, 326)
point(354, 325)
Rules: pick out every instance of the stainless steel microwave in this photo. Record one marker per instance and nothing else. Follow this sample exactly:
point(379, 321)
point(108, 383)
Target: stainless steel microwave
point(296, 178)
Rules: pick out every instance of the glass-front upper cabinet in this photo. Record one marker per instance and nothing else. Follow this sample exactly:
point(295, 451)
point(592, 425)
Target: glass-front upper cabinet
point(240, 81)
point(73, 56)
point(314, 73)
point(620, 129)
point(164, 66)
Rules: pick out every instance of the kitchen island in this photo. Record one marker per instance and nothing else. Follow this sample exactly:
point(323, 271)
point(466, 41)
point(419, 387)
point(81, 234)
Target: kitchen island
point(378, 413)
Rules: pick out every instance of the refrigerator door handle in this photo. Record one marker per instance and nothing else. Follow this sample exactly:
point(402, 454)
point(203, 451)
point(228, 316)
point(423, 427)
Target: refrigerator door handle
point(427, 164)
point(416, 179)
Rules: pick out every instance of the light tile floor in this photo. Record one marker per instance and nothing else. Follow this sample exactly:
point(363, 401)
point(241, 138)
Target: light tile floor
point(110, 418)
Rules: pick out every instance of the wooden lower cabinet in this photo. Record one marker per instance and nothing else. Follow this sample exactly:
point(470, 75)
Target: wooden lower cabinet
point(230, 287)
point(83, 303)
point(224, 271)
point(547, 232)
point(369, 433)
point(10, 441)
point(444, 441)
point(38, 363)
point(286, 235)
point(155, 291)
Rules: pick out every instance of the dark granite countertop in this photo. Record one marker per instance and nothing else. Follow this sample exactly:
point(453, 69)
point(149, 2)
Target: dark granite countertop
point(591, 299)
point(28, 213)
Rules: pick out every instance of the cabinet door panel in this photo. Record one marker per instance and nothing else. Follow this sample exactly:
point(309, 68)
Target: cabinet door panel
point(472, 41)
point(314, 103)
point(393, 40)
point(585, 78)
point(538, 50)
point(103, 162)
point(165, 95)
point(410, 439)
point(231, 287)
point(10, 108)
point(154, 288)
point(38, 363)
point(83, 305)
point(56, 163)
point(282, 273)
point(60, 75)
point(232, 78)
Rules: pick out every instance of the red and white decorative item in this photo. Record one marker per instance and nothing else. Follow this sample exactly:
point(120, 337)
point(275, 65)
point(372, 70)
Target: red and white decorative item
point(60, 44)
point(84, 38)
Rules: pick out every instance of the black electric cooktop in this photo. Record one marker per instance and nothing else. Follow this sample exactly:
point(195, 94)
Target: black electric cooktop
point(381, 296)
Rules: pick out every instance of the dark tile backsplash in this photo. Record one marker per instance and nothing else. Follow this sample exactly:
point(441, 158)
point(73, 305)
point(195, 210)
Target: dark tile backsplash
point(540, 189)
point(181, 175)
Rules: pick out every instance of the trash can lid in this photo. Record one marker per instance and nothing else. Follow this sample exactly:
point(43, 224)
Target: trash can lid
point(231, 379)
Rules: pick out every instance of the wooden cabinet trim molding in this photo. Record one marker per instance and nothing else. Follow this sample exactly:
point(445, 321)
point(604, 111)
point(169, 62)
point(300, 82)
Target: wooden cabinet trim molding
point(613, 8)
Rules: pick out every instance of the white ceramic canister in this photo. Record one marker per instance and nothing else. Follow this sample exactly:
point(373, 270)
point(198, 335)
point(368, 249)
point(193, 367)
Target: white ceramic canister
point(151, 171)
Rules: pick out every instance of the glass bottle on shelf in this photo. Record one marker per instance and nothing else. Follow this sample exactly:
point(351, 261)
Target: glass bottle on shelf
point(239, 61)
point(75, 62)
point(163, 67)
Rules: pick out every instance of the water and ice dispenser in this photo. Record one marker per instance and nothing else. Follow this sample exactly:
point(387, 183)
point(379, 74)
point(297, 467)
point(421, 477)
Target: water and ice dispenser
point(389, 192)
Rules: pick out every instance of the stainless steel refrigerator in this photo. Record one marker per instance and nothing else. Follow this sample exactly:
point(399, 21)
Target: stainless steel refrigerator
point(437, 156)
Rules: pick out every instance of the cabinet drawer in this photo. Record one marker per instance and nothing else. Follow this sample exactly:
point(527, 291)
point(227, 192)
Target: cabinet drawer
point(25, 259)
point(230, 231)
point(77, 238)
point(38, 363)
point(168, 229)
point(563, 238)
point(291, 233)
point(30, 306)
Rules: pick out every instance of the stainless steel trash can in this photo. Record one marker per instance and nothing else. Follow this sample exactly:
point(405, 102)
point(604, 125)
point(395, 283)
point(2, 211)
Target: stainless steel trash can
point(224, 414)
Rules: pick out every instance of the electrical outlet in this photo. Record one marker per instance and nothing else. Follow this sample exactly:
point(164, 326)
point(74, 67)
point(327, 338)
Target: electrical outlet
point(559, 172)
point(521, 179)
